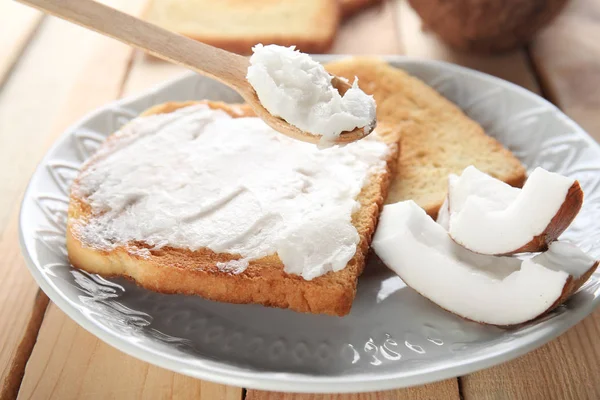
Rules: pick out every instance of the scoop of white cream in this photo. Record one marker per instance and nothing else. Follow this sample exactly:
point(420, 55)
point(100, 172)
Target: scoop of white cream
point(292, 86)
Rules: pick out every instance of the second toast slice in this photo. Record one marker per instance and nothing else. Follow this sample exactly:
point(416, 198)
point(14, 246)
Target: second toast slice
point(438, 139)
point(236, 26)
point(180, 270)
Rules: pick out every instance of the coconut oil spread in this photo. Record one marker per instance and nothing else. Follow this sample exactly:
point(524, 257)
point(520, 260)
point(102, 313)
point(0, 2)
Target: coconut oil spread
point(198, 178)
point(293, 86)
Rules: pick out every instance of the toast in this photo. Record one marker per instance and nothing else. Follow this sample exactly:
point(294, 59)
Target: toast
point(236, 26)
point(351, 7)
point(437, 137)
point(177, 270)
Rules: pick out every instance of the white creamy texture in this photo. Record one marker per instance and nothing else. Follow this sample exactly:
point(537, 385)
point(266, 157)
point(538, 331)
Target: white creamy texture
point(293, 86)
point(197, 178)
point(495, 290)
point(473, 182)
point(490, 217)
point(443, 217)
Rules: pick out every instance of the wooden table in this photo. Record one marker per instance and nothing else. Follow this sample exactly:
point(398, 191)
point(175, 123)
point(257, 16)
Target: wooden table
point(52, 73)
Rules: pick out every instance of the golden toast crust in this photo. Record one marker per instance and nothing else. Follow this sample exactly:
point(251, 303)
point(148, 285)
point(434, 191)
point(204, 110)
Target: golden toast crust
point(437, 137)
point(171, 270)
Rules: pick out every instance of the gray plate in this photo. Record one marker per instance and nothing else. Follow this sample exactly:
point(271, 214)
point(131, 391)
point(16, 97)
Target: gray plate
point(392, 338)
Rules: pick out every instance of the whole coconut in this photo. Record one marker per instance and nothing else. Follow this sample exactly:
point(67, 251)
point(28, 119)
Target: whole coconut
point(486, 26)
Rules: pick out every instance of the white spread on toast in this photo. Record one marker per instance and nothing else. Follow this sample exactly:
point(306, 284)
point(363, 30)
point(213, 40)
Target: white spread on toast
point(197, 178)
point(293, 86)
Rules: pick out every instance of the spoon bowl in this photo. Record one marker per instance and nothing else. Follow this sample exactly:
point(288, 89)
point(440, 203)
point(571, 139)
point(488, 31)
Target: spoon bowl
point(281, 125)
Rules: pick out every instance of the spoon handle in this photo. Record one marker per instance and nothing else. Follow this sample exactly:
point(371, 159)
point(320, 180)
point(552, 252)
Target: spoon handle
point(224, 66)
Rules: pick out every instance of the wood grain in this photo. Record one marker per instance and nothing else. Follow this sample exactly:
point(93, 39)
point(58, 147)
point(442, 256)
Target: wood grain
point(229, 68)
point(446, 390)
point(64, 50)
point(31, 91)
point(70, 363)
point(567, 54)
point(372, 31)
point(21, 312)
point(21, 305)
point(564, 369)
point(22, 143)
point(567, 58)
point(513, 67)
point(17, 25)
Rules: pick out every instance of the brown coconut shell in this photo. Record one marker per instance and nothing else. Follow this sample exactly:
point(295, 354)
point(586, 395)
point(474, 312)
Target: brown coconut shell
point(486, 26)
point(561, 221)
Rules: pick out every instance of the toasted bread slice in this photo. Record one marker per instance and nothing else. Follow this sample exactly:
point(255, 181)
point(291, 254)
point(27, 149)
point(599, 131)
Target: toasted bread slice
point(437, 139)
point(172, 270)
point(351, 7)
point(237, 25)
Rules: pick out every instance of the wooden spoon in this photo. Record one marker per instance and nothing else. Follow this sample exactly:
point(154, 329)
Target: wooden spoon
point(228, 68)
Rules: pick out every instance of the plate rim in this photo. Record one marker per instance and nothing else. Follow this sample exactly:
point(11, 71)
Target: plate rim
point(294, 382)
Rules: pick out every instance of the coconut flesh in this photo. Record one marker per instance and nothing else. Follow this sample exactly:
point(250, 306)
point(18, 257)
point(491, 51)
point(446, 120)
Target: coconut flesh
point(492, 290)
point(487, 216)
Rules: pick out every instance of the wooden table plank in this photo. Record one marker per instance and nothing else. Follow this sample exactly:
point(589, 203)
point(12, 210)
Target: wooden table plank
point(63, 49)
point(68, 362)
point(96, 364)
point(30, 91)
point(566, 368)
point(21, 311)
point(446, 390)
point(567, 58)
point(567, 55)
point(38, 92)
point(17, 25)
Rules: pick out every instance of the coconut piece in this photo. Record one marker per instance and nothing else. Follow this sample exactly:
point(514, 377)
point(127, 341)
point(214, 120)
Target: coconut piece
point(488, 216)
point(486, 26)
point(443, 217)
point(492, 290)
